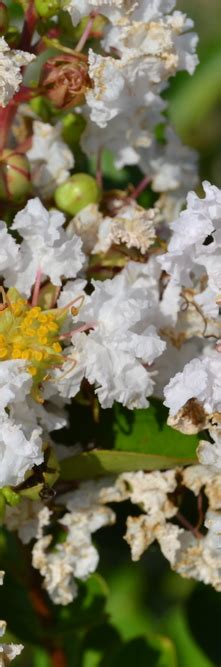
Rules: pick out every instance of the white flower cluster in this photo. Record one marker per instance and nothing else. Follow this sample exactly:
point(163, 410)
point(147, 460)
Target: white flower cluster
point(144, 45)
point(193, 264)
point(149, 325)
point(75, 557)
point(190, 552)
point(132, 225)
point(193, 552)
point(111, 340)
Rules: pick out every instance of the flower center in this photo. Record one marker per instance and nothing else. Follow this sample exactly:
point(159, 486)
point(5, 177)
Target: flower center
point(31, 334)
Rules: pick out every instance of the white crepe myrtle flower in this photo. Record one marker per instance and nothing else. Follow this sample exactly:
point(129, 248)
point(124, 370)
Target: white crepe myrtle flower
point(75, 558)
point(127, 133)
point(122, 11)
point(15, 381)
point(9, 250)
point(20, 448)
point(213, 523)
point(45, 247)
point(23, 518)
point(120, 345)
point(50, 158)
point(133, 226)
point(10, 70)
point(80, 8)
point(209, 451)
point(199, 559)
point(119, 88)
point(194, 248)
point(86, 224)
point(172, 166)
point(199, 379)
point(8, 651)
point(191, 554)
point(151, 492)
point(166, 45)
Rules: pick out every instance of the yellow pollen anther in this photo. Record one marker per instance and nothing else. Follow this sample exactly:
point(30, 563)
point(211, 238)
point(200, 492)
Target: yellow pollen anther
point(32, 370)
point(53, 326)
point(37, 355)
point(26, 354)
point(3, 352)
point(43, 340)
point(42, 331)
point(57, 347)
point(30, 334)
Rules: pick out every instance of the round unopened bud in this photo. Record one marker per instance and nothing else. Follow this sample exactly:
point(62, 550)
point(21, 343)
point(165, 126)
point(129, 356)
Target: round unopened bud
point(76, 193)
point(47, 8)
point(4, 19)
point(15, 183)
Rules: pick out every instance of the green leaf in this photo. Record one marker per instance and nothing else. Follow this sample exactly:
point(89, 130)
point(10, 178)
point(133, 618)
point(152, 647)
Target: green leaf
point(141, 440)
point(99, 645)
point(87, 610)
point(204, 91)
point(146, 431)
point(106, 462)
point(141, 653)
point(189, 653)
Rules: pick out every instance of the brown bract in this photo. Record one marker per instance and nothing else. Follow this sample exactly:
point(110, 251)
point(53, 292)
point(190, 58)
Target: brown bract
point(65, 79)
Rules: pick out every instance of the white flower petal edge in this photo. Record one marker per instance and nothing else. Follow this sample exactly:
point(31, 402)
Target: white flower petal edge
point(10, 70)
point(45, 247)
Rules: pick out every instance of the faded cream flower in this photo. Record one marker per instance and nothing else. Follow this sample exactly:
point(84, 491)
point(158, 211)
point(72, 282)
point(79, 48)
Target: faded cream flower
point(10, 70)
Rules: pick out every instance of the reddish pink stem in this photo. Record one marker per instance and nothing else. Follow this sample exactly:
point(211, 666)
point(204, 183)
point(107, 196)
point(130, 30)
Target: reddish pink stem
point(86, 33)
point(188, 525)
point(28, 27)
point(83, 327)
point(6, 117)
point(37, 287)
point(140, 187)
point(99, 175)
point(58, 658)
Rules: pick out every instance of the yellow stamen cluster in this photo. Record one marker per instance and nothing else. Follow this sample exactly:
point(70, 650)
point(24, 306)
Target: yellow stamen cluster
point(30, 334)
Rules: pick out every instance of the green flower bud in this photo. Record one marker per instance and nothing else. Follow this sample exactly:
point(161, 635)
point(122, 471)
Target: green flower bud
point(12, 498)
point(4, 19)
point(47, 8)
point(42, 107)
point(73, 126)
point(15, 182)
point(76, 193)
point(13, 37)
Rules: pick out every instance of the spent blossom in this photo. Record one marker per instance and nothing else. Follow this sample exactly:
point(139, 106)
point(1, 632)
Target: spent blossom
point(10, 70)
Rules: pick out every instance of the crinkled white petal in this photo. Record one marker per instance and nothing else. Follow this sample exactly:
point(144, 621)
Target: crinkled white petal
point(50, 158)
point(45, 247)
point(10, 70)
point(20, 449)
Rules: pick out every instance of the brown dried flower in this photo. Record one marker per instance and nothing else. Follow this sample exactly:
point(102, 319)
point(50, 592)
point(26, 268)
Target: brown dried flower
point(65, 79)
